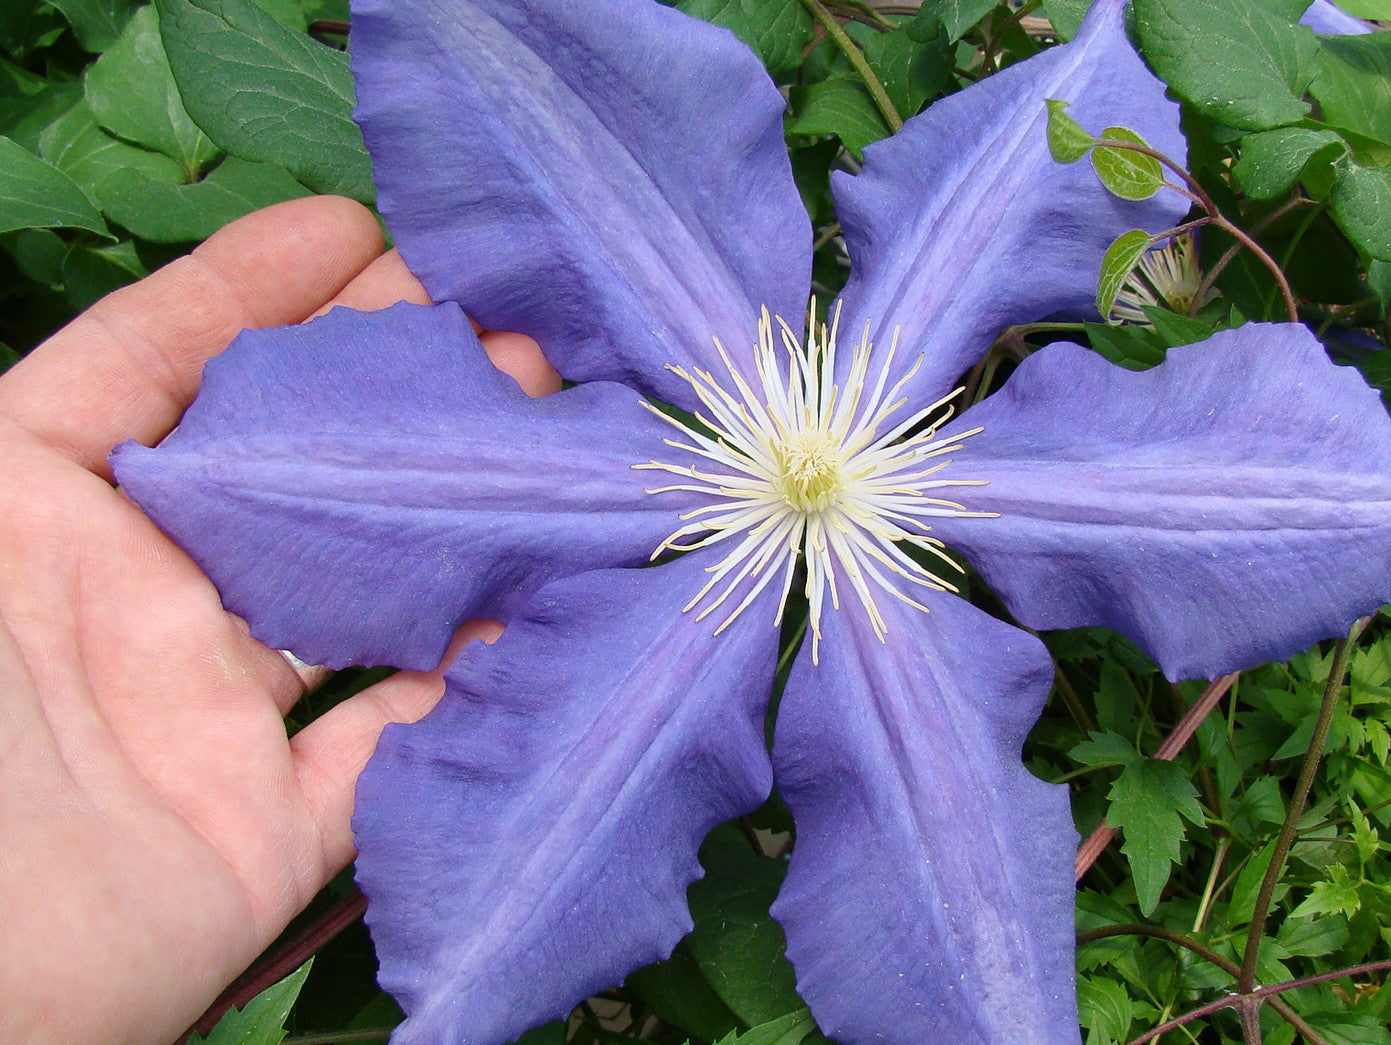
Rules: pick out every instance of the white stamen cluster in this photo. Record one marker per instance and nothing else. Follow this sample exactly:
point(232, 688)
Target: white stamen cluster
point(804, 467)
point(1167, 277)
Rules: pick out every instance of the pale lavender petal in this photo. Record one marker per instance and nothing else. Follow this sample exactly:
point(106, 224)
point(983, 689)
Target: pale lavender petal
point(530, 841)
point(929, 896)
point(555, 168)
point(1331, 20)
point(962, 223)
point(358, 486)
point(1230, 506)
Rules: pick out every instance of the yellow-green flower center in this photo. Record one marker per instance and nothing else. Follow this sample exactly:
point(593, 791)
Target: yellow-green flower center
point(812, 478)
point(806, 468)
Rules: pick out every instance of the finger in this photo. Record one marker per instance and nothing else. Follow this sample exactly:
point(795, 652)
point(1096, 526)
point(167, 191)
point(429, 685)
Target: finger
point(382, 283)
point(520, 358)
point(129, 365)
point(331, 751)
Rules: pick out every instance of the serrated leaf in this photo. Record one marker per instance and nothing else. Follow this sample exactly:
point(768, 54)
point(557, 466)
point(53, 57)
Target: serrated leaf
point(1117, 263)
point(1068, 141)
point(739, 947)
point(1126, 173)
point(1361, 201)
point(913, 62)
point(1272, 161)
point(1353, 83)
point(839, 106)
point(1105, 748)
point(265, 93)
point(262, 1022)
point(776, 30)
point(96, 23)
point(1337, 895)
point(1244, 65)
point(132, 94)
point(1104, 1006)
point(785, 1030)
point(957, 16)
point(1148, 800)
point(35, 194)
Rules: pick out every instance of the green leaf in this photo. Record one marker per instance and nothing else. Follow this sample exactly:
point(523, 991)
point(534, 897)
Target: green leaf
point(1147, 801)
point(677, 993)
point(1247, 886)
point(97, 23)
point(1105, 748)
point(1311, 937)
point(288, 12)
point(1337, 895)
point(1272, 161)
point(1104, 1006)
point(1117, 263)
point(90, 273)
point(839, 106)
point(1066, 15)
point(957, 16)
point(785, 1030)
point(35, 194)
point(776, 30)
point(739, 947)
point(265, 93)
point(132, 94)
point(1380, 9)
point(1126, 173)
point(913, 62)
point(1176, 329)
point(1244, 64)
point(153, 201)
point(1361, 201)
point(1353, 83)
point(1068, 142)
point(262, 1022)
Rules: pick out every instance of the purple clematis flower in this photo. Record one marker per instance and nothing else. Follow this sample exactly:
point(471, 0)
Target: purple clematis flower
point(610, 177)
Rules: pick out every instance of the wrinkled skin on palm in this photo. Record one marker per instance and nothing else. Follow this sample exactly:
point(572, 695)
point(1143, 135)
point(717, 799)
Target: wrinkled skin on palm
point(610, 178)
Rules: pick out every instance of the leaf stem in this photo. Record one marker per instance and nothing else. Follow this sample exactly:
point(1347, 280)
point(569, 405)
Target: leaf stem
point(1342, 653)
point(856, 57)
point(1193, 190)
point(1209, 955)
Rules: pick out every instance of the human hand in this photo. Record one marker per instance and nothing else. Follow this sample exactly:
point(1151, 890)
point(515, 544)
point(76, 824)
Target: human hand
point(160, 829)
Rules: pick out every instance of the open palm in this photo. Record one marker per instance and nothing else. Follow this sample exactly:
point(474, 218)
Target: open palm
point(159, 828)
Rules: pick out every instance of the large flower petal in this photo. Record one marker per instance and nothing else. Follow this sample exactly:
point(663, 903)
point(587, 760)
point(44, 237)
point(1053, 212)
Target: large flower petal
point(554, 167)
point(962, 223)
point(360, 485)
point(929, 897)
point(1228, 507)
point(531, 840)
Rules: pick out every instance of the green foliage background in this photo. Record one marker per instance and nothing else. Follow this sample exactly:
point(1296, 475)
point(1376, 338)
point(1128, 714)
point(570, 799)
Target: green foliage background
point(129, 131)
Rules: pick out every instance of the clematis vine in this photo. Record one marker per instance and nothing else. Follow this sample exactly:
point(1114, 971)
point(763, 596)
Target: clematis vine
point(610, 177)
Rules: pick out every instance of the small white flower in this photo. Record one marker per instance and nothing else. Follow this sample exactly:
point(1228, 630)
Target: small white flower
point(1167, 277)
